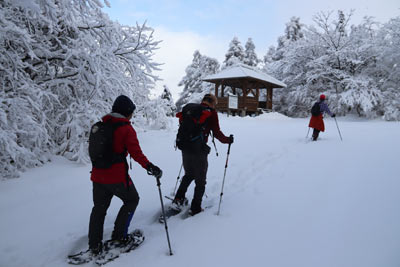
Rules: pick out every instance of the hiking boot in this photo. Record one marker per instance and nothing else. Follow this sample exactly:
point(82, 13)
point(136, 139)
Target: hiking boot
point(179, 203)
point(96, 250)
point(125, 242)
point(195, 208)
point(121, 243)
point(193, 211)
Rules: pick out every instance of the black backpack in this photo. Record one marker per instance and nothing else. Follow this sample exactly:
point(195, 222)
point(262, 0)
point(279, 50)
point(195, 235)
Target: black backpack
point(316, 109)
point(101, 145)
point(190, 135)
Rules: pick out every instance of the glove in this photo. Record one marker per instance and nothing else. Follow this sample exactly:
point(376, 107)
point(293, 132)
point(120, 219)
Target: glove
point(333, 115)
point(154, 170)
point(231, 139)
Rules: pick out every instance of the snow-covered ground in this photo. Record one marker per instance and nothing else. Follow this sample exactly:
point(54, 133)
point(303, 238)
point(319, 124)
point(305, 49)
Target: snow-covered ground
point(287, 201)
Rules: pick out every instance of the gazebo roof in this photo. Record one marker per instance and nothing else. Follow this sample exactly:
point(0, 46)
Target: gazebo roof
point(232, 76)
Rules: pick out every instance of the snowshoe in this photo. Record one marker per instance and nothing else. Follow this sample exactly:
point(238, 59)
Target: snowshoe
point(190, 213)
point(111, 250)
point(81, 257)
point(194, 212)
point(174, 209)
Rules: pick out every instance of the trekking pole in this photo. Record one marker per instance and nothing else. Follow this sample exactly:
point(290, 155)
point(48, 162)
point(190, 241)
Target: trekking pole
point(177, 179)
point(223, 181)
point(165, 218)
point(338, 129)
point(308, 132)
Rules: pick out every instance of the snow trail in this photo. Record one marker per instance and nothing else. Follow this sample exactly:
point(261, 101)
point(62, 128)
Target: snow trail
point(287, 202)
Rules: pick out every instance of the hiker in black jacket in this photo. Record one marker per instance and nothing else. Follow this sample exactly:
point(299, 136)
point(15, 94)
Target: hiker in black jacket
point(194, 160)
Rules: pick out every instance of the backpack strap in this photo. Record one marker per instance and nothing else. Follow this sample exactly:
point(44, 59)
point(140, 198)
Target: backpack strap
point(205, 115)
point(119, 157)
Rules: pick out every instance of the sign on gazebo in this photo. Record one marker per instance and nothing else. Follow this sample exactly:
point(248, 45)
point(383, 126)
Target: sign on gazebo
point(233, 101)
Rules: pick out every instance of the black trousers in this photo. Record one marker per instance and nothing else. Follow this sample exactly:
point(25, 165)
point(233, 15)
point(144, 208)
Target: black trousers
point(315, 134)
point(195, 166)
point(102, 195)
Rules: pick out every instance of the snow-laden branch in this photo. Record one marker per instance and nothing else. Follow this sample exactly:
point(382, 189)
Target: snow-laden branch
point(62, 65)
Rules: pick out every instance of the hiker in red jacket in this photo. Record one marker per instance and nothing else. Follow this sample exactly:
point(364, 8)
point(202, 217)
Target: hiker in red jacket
point(195, 161)
point(316, 121)
point(115, 180)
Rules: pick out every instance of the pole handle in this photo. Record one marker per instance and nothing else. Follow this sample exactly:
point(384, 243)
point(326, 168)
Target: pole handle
point(229, 146)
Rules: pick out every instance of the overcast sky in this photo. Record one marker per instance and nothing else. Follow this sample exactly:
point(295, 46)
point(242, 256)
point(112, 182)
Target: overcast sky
point(210, 25)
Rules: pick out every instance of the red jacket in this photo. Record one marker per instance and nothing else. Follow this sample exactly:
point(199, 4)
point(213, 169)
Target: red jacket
point(125, 139)
point(213, 125)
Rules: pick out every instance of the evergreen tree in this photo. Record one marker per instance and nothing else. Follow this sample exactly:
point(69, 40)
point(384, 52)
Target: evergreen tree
point(293, 30)
point(235, 54)
point(293, 33)
point(193, 86)
point(250, 57)
point(168, 103)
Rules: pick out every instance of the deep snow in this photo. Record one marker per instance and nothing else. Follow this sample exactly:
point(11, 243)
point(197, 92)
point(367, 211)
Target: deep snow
point(287, 201)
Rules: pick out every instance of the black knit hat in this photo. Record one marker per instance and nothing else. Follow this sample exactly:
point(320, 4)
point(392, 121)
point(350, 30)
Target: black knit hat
point(123, 105)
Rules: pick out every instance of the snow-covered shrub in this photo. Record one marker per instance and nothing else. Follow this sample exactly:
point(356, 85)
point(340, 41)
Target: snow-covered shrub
point(152, 116)
point(391, 104)
point(360, 97)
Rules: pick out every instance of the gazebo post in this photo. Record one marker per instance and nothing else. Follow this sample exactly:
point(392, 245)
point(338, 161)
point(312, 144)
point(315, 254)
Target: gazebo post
point(258, 96)
point(216, 89)
point(244, 85)
point(269, 98)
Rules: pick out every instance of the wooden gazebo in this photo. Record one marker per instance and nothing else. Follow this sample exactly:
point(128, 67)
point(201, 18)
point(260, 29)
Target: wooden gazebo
point(249, 81)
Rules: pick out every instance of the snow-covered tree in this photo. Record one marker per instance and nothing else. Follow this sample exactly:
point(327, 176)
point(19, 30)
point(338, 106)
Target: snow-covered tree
point(388, 65)
point(235, 54)
point(193, 86)
point(293, 30)
point(62, 65)
point(293, 33)
point(345, 62)
point(250, 56)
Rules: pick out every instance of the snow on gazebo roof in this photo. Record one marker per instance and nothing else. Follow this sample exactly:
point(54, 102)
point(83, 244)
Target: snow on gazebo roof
point(244, 71)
